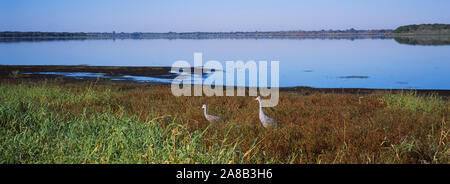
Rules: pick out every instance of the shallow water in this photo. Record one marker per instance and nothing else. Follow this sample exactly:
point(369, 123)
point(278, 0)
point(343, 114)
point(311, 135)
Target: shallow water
point(322, 63)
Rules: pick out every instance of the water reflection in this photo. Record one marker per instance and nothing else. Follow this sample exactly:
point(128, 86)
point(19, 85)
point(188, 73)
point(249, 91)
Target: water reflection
point(423, 40)
point(322, 63)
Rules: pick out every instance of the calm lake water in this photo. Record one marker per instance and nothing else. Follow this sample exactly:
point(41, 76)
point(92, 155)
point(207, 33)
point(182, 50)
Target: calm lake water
point(321, 63)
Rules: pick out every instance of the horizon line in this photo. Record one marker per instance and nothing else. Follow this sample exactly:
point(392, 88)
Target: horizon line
point(256, 31)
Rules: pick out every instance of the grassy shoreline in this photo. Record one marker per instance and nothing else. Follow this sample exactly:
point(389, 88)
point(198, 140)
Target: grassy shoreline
point(86, 122)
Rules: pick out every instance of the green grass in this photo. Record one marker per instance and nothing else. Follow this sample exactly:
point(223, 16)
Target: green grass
point(411, 102)
point(31, 132)
point(47, 122)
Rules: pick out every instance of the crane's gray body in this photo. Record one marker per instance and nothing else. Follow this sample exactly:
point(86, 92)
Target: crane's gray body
point(211, 118)
point(266, 121)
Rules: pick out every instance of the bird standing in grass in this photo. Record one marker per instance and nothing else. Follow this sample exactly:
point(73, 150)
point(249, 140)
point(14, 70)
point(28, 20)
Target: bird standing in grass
point(266, 120)
point(211, 118)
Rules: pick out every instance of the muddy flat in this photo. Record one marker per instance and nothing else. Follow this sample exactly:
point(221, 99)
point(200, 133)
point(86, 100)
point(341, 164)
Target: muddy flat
point(110, 70)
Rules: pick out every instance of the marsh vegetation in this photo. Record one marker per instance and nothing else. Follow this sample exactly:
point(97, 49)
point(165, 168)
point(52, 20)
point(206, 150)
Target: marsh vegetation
point(50, 122)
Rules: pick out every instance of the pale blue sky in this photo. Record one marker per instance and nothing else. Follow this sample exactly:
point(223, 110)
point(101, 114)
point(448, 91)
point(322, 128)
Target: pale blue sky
point(209, 15)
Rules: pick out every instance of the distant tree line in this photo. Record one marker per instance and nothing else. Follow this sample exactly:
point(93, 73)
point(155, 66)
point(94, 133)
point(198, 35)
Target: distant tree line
point(200, 35)
point(8, 34)
point(424, 29)
point(441, 29)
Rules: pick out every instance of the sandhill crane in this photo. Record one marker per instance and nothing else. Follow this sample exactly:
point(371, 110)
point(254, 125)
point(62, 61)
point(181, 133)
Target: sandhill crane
point(266, 120)
point(211, 118)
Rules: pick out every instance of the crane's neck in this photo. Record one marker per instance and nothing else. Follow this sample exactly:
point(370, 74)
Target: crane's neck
point(261, 112)
point(204, 111)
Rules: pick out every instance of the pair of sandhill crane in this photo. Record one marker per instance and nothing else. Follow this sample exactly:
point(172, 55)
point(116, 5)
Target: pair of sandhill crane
point(266, 121)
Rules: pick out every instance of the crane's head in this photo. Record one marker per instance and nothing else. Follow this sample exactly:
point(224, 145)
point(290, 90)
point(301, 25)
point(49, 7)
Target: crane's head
point(258, 98)
point(204, 106)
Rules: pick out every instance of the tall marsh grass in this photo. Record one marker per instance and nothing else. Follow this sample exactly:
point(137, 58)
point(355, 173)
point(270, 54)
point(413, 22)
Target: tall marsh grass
point(47, 122)
point(38, 126)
